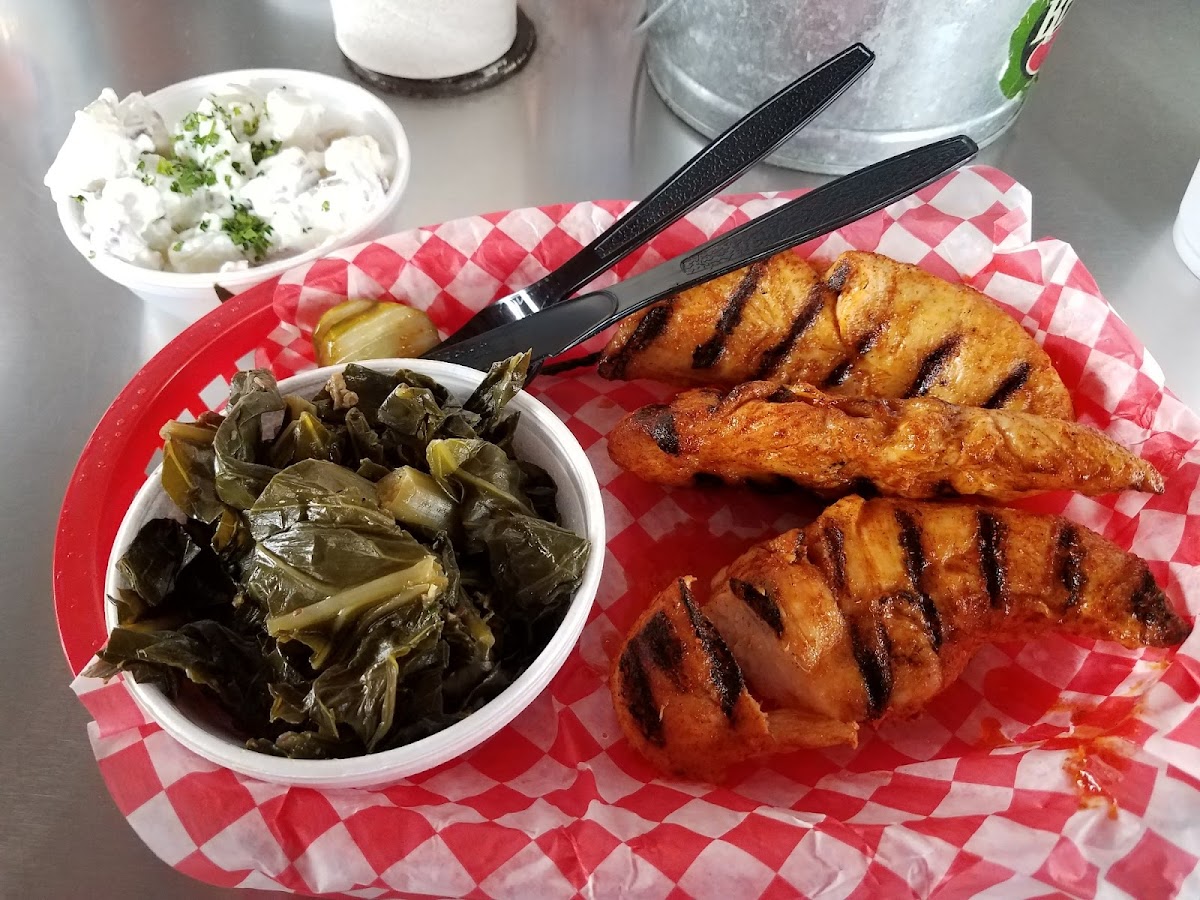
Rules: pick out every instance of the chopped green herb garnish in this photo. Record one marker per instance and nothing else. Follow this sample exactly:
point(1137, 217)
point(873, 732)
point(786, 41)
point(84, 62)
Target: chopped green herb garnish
point(325, 206)
point(164, 167)
point(250, 129)
point(228, 181)
point(248, 231)
point(147, 179)
point(190, 175)
point(238, 167)
point(260, 151)
point(237, 110)
point(191, 122)
point(177, 246)
point(79, 198)
point(207, 140)
point(204, 225)
point(141, 167)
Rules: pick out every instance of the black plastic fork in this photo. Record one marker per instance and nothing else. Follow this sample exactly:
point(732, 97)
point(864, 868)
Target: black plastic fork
point(832, 205)
point(728, 156)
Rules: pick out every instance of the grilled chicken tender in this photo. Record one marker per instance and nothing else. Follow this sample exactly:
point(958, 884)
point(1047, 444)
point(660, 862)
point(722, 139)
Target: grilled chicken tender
point(901, 448)
point(878, 605)
point(773, 319)
point(681, 700)
point(873, 327)
point(916, 335)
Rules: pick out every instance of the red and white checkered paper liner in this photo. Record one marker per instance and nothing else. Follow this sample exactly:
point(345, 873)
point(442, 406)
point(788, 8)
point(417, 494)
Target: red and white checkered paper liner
point(969, 799)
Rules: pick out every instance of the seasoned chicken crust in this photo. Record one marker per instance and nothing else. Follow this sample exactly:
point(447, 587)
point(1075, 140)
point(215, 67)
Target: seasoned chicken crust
point(877, 605)
point(920, 448)
point(867, 613)
point(871, 327)
point(681, 700)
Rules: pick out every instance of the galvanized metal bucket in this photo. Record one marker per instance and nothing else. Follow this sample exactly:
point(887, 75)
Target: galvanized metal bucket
point(943, 67)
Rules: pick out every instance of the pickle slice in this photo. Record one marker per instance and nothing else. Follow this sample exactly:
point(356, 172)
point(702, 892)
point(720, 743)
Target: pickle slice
point(367, 329)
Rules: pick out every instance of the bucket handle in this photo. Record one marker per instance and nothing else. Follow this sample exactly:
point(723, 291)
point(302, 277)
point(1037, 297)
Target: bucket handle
point(649, 17)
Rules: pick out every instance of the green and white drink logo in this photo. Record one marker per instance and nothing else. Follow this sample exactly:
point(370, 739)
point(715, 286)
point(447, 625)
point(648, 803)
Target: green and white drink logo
point(1030, 43)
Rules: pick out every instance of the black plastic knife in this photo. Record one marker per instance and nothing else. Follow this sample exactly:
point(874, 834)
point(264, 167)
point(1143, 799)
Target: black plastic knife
point(558, 328)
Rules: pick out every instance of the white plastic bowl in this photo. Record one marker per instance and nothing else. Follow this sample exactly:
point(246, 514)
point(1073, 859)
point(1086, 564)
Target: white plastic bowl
point(190, 295)
point(542, 439)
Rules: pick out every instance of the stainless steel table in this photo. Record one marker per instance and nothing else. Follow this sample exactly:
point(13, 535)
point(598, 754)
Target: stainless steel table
point(1107, 145)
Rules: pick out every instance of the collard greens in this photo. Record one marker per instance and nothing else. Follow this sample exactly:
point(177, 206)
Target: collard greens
point(353, 572)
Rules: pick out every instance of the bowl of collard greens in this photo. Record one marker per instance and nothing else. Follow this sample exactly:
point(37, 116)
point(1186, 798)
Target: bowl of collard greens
point(357, 574)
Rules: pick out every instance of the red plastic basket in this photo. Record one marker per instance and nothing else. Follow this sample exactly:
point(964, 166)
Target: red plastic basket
point(971, 797)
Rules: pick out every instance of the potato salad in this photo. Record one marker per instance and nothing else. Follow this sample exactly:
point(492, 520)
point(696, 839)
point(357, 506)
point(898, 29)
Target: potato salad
point(242, 179)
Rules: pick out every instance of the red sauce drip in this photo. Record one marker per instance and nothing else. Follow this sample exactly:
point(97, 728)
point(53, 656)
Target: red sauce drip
point(990, 735)
point(1095, 769)
point(1115, 718)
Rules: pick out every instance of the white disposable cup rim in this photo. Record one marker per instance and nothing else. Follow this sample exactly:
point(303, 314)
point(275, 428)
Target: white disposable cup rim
point(1185, 233)
point(141, 279)
point(1187, 250)
point(391, 765)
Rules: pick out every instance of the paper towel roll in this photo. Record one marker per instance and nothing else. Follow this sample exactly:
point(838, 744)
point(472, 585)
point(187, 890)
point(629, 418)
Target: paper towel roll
point(424, 38)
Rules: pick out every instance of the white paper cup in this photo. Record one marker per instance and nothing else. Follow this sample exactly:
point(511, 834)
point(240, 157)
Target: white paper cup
point(542, 439)
point(189, 295)
point(1187, 225)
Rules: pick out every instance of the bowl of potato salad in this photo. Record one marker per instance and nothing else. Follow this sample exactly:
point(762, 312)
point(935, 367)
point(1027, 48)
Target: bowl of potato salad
point(217, 183)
